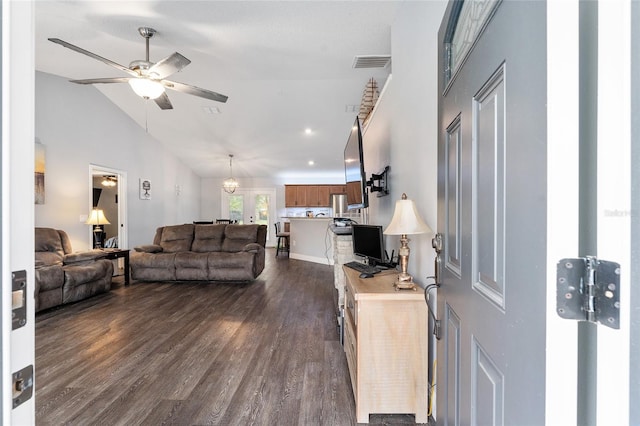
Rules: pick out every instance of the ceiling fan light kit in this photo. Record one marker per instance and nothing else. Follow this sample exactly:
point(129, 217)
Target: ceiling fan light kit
point(147, 79)
point(145, 88)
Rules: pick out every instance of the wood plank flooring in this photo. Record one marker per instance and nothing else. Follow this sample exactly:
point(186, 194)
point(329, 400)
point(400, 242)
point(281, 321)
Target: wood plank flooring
point(262, 353)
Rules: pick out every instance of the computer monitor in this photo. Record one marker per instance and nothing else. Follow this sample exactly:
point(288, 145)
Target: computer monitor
point(368, 242)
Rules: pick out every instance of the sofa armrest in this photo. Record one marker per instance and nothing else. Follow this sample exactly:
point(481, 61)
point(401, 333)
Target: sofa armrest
point(149, 248)
point(252, 247)
point(83, 257)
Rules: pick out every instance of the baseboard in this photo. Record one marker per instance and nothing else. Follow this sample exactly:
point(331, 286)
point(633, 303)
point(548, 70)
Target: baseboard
point(314, 259)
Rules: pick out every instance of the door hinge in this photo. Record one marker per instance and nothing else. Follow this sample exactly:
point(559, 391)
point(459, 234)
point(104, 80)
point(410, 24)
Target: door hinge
point(588, 289)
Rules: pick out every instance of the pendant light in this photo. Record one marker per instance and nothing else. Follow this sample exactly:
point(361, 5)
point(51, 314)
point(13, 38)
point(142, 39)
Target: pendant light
point(230, 184)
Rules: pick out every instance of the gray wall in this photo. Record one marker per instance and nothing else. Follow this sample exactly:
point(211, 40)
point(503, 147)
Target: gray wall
point(404, 132)
point(79, 126)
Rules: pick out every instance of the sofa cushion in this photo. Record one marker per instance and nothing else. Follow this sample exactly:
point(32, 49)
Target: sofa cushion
point(75, 275)
point(177, 238)
point(49, 278)
point(225, 266)
point(237, 237)
point(84, 257)
point(48, 246)
point(149, 248)
point(191, 266)
point(208, 238)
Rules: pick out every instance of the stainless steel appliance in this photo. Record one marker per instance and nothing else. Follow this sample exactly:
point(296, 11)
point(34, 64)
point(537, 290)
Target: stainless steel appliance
point(339, 204)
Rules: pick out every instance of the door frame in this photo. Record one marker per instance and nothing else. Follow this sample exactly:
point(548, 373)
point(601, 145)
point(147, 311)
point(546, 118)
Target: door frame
point(123, 233)
point(224, 207)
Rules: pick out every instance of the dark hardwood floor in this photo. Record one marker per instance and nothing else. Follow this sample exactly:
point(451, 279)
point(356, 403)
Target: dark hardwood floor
point(263, 353)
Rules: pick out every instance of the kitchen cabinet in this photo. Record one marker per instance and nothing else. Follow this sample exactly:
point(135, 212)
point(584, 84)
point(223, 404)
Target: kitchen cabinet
point(295, 195)
point(311, 195)
point(311, 192)
point(338, 189)
point(323, 196)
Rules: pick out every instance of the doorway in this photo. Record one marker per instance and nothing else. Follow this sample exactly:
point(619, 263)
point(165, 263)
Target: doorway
point(251, 205)
point(108, 187)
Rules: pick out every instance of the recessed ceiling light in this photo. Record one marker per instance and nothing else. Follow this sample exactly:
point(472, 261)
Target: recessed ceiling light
point(311, 162)
point(307, 131)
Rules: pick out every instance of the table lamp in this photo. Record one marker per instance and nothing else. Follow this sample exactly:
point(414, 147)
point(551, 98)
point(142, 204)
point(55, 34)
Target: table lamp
point(97, 218)
point(405, 221)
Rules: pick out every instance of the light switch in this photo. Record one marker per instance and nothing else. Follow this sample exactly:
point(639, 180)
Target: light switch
point(83, 218)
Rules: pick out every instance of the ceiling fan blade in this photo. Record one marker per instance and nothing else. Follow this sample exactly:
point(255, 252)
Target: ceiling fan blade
point(163, 101)
point(193, 90)
point(102, 80)
point(94, 56)
point(169, 65)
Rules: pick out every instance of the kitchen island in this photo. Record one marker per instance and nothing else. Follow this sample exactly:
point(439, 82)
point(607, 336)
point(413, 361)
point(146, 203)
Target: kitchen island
point(310, 239)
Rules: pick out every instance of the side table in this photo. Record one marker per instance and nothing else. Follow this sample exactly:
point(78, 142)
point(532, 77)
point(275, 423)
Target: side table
point(117, 254)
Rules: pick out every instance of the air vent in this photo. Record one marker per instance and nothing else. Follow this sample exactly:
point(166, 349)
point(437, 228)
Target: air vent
point(371, 61)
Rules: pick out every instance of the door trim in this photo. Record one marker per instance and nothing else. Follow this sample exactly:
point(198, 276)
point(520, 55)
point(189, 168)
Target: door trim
point(123, 234)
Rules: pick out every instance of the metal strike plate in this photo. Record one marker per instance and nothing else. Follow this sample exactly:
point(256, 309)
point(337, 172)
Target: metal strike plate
point(588, 289)
point(22, 385)
point(18, 299)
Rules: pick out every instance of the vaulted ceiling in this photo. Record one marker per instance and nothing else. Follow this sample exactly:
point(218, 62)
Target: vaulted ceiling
point(286, 66)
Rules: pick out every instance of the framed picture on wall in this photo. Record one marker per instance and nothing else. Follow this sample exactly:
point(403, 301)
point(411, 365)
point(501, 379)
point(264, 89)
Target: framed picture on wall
point(145, 189)
point(39, 174)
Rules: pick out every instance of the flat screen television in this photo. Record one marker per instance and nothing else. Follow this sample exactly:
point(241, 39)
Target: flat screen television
point(368, 242)
point(354, 170)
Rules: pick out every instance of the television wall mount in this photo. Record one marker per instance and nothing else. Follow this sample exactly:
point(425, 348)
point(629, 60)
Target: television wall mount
point(379, 183)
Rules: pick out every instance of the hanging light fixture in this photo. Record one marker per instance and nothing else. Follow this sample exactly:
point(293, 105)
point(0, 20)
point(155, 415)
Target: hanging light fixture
point(230, 184)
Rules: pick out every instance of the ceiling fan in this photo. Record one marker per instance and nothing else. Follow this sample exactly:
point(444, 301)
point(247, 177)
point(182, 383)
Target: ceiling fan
point(148, 78)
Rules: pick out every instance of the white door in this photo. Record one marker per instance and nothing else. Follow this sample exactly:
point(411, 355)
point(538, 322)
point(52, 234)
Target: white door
point(16, 211)
point(251, 205)
point(492, 214)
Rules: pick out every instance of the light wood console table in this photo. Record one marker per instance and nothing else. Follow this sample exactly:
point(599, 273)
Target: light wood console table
point(386, 342)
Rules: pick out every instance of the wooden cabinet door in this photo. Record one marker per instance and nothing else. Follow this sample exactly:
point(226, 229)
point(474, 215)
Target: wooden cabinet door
point(323, 195)
point(338, 189)
point(290, 195)
point(301, 196)
point(311, 192)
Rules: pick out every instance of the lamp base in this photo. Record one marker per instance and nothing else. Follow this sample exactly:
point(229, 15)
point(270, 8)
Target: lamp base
point(405, 282)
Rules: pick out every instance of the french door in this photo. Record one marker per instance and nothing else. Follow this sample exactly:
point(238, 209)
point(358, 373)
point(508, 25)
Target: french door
point(251, 205)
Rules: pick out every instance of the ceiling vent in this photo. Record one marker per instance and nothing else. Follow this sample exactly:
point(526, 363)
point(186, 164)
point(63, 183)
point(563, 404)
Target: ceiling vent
point(371, 61)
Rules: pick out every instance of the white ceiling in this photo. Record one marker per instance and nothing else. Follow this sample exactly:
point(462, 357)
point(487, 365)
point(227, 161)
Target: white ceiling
point(285, 66)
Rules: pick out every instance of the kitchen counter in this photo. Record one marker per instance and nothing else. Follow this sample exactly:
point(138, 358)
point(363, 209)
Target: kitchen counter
point(310, 239)
point(305, 218)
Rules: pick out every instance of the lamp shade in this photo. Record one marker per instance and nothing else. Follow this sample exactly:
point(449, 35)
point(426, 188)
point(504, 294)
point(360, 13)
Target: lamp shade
point(97, 218)
point(146, 88)
point(406, 219)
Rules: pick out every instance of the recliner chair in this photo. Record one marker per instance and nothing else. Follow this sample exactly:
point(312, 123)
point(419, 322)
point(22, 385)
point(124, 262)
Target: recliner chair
point(62, 276)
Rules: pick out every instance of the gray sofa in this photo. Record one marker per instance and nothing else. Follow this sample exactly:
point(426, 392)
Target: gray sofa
point(62, 276)
point(201, 253)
